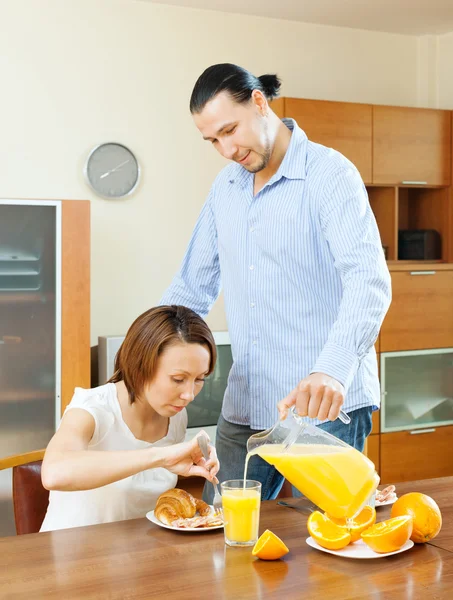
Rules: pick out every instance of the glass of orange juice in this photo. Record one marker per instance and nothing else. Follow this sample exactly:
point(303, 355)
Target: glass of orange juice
point(241, 511)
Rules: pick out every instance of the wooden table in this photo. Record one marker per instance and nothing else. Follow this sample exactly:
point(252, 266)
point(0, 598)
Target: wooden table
point(136, 559)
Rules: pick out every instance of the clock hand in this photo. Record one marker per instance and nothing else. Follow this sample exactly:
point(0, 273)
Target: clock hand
point(114, 169)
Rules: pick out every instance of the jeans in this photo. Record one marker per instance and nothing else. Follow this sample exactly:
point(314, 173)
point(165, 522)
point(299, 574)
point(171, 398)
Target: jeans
point(231, 446)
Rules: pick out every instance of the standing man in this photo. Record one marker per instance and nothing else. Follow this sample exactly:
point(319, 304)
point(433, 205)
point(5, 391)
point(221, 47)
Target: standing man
point(288, 230)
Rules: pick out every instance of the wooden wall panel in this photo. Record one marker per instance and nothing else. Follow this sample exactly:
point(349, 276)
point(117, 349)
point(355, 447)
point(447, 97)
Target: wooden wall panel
point(75, 267)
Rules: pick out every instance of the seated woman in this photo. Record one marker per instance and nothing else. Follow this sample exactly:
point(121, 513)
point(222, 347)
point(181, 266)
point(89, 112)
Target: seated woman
point(120, 445)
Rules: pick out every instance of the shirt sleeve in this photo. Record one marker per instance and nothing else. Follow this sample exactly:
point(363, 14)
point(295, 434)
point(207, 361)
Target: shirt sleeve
point(197, 284)
point(350, 229)
point(95, 404)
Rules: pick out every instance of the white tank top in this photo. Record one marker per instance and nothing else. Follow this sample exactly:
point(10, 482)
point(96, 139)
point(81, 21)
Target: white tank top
point(129, 498)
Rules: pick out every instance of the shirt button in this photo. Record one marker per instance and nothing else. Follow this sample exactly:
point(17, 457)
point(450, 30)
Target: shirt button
point(252, 229)
point(255, 342)
point(252, 305)
point(251, 267)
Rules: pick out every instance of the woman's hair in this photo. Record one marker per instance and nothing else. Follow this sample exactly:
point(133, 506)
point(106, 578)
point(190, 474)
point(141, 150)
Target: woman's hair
point(147, 338)
point(234, 80)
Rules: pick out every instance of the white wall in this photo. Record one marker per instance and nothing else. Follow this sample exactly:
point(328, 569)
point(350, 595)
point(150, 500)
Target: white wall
point(75, 73)
point(445, 70)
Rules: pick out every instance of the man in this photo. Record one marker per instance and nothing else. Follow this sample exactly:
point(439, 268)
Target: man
point(288, 230)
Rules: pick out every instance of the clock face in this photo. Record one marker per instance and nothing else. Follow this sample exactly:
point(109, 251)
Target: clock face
point(112, 170)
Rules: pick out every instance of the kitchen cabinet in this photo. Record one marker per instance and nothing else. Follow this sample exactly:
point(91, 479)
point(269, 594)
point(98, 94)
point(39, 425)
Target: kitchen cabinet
point(421, 313)
point(344, 126)
point(416, 389)
point(418, 454)
point(411, 145)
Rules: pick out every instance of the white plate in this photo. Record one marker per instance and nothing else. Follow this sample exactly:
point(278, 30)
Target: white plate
point(156, 521)
point(391, 501)
point(358, 549)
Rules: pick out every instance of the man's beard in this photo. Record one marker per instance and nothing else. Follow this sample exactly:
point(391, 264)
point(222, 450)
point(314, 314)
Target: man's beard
point(263, 162)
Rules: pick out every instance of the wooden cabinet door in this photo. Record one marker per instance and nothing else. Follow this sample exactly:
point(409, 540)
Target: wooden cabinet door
point(373, 451)
point(411, 144)
point(421, 313)
point(75, 311)
point(344, 126)
point(417, 454)
point(376, 427)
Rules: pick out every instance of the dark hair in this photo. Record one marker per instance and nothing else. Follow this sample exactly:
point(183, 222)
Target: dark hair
point(238, 82)
point(147, 338)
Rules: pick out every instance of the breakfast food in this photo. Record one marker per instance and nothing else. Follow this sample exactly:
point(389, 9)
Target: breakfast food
point(179, 508)
point(269, 547)
point(386, 495)
point(327, 533)
point(365, 519)
point(175, 504)
point(336, 534)
point(388, 536)
point(209, 521)
point(414, 516)
point(424, 512)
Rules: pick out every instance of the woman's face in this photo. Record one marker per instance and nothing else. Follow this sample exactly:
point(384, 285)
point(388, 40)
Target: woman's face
point(181, 370)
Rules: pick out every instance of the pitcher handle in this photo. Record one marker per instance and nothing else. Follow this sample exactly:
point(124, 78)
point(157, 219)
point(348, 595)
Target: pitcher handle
point(344, 417)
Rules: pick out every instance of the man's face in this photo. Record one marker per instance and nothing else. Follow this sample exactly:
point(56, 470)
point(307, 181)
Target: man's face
point(239, 132)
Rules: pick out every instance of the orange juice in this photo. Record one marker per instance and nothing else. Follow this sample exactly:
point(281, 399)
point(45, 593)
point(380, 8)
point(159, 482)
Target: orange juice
point(337, 479)
point(241, 513)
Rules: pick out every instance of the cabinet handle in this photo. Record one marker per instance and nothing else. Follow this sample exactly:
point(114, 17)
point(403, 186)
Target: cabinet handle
point(423, 272)
point(414, 182)
point(417, 431)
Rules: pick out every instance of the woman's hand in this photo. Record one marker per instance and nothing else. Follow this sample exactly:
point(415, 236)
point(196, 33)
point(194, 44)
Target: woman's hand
point(186, 459)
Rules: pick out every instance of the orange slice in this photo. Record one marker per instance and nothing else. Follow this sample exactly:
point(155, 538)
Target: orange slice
point(327, 533)
point(365, 519)
point(269, 547)
point(390, 535)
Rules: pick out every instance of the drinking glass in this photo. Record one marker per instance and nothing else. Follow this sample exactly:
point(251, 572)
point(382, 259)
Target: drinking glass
point(241, 511)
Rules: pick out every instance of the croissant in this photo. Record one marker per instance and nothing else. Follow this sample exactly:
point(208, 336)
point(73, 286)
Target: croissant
point(178, 504)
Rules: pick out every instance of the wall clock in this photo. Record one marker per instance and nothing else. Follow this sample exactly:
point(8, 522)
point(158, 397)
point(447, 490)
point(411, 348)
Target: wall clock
point(112, 170)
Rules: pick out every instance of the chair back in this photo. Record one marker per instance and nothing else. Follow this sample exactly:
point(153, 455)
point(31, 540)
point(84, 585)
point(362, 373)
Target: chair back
point(30, 498)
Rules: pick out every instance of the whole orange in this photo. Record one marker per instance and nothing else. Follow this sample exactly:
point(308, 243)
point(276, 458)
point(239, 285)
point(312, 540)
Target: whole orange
point(426, 515)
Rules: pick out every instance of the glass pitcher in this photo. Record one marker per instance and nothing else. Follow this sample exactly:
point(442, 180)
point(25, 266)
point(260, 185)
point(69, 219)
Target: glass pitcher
point(333, 475)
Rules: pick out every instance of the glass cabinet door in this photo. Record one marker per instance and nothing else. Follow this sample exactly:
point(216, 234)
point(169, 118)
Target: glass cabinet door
point(29, 328)
point(417, 389)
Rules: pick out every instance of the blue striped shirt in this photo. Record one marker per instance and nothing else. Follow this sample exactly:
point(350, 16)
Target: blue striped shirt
point(304, 277)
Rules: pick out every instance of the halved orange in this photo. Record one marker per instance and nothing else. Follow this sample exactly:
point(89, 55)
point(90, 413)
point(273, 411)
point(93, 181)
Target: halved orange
point(269, 547)
point(365, 519)
point(327, 533)
point(390, 535)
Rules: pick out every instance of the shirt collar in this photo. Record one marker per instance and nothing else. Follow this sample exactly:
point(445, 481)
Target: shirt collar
point(293, 165)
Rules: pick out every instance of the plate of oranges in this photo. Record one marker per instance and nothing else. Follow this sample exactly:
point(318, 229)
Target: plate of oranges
point(415, 518)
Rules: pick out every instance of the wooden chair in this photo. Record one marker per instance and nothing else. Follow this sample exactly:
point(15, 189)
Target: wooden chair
point(30, 498)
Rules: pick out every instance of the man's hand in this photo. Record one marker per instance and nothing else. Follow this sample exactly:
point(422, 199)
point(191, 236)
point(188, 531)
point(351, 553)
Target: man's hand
point(317, 396)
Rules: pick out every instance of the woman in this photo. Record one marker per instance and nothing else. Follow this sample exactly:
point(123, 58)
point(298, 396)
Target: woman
point(119, 446)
